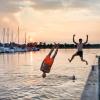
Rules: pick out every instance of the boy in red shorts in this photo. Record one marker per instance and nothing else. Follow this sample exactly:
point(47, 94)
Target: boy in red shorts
point(48, 62)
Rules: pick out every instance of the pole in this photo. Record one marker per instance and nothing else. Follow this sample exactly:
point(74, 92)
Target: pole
point(18, 34)
point(7, 35)
point(12, 37)
point(25, 39)
point(4, 35)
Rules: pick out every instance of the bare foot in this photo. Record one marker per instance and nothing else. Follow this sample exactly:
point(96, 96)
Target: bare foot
point(86, 63)
point(56, 45)
point(69, 60)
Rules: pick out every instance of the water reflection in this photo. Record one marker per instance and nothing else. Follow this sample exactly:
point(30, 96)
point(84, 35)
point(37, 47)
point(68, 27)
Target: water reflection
point(20, 76)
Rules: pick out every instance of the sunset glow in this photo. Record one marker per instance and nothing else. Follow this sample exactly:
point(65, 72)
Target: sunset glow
point(30, 39)
point(52, 20)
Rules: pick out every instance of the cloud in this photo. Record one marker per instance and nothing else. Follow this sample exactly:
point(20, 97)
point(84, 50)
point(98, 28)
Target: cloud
point(91, 5)
point(47, 4)
point(9, 6)
point(7, 10)
point(12, 6)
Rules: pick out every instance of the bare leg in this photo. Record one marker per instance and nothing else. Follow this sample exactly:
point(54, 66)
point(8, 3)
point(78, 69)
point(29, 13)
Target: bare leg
point(72, 57)
point(55, 54)
point(51, 52)
point(84, 60)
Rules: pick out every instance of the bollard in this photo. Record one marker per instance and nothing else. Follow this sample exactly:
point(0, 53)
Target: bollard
point(93, 68)
point(73, 78)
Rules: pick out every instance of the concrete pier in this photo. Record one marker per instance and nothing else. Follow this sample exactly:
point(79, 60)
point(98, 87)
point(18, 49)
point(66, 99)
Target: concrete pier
point(91, 91)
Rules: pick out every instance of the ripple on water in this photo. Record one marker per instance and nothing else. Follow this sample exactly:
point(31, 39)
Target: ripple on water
point(43, 90)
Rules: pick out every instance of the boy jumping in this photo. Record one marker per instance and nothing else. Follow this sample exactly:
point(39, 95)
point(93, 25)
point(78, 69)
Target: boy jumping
point(79, 49)
point(48, 62)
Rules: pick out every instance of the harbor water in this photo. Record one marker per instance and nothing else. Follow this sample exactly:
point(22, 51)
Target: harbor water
point(20, 75)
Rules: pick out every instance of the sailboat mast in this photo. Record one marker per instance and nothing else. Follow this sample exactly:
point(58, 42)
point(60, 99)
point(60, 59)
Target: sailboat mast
point(7, 35)
point(25, 38)
point(12, 36)
point(18, 34)
point(4, 35)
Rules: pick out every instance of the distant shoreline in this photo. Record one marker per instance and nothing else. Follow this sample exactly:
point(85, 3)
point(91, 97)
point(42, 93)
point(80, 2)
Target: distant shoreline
point(15, 47)
point(70, 46)
point(43, 45)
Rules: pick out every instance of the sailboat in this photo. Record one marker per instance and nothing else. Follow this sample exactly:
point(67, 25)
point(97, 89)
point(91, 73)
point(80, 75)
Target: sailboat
point(8, 48)
point(2, 48)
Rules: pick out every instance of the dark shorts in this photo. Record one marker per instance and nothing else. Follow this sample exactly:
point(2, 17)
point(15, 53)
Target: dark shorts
point(79, 53)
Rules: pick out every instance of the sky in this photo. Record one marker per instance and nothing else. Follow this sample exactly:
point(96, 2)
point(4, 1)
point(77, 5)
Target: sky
point(50, 20)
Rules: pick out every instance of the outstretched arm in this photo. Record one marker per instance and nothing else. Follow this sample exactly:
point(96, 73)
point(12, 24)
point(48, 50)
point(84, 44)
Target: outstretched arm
point(74, 39)
point(86, 40)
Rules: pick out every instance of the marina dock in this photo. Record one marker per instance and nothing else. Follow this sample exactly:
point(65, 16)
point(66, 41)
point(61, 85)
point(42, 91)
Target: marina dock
point(91, 90)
